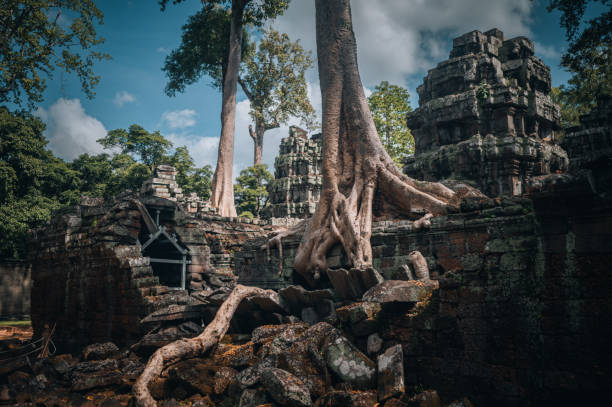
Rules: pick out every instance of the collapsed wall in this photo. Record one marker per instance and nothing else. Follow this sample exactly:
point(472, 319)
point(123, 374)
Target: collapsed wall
point(486, 117)
point(100, 267)
point(523, 312)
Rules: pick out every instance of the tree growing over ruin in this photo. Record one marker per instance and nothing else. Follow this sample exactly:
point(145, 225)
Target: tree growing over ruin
point(389, 105)
point(35, 39)
point(207, 56)
point(274, 81)
point(356, 167)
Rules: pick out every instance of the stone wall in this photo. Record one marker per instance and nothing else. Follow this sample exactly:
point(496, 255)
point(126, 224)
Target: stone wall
point(523, 314)
point(486, 117)
point(91, 276)
point(15, 281)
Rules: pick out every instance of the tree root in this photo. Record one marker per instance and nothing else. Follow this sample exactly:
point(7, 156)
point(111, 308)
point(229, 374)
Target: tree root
point(186, 348)
point(419, 265)
point(277, 240)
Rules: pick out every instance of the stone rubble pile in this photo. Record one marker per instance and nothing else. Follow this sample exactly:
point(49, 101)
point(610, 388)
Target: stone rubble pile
point(291, 363)
point(163, 185)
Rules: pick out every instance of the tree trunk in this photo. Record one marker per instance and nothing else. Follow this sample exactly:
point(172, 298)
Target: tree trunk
point(188, 348)
point(257, 135)
point(355, 163)
point(222, 196)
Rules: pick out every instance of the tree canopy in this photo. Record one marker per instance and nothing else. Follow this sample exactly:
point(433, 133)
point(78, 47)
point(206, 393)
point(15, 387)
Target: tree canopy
point(36, 36)
point(203, 50)
point(589, 55)
point(149, 148)
point(34, 183)
point(250, 190)
point(274, 81)
point(389, 105)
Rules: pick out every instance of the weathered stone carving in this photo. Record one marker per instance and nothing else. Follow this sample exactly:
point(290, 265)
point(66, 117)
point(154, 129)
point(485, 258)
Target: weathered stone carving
point(486, 116)
point(296, 187)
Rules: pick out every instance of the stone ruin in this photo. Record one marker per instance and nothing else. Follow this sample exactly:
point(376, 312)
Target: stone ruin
point(513, 311)
point(486, 117)
point(296, 187)
point(163, 185)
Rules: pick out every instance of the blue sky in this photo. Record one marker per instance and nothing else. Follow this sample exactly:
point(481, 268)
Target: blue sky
point(398, 40)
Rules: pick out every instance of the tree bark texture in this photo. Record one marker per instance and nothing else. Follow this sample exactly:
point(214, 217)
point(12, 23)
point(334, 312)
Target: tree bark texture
point(257, 135)
point(222, 197)
point(188, 348)
point(356, 166)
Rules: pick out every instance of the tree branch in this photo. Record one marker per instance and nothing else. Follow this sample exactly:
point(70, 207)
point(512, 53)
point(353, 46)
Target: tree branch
point(246, 91)
point(186, 348)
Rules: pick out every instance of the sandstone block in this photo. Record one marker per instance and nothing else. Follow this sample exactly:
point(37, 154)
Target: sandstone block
point(285, 388)
point(391, 373)
point(400, 291)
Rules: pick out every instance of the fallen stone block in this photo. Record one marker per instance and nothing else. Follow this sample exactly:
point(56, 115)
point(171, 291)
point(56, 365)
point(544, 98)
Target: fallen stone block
point(391, 373)
point(347, 399)
point(349, 364)
point(351, 284)
point(100, 351)
point(253, 398)
point(285, 388)
point(374, 343)
point(400, 291)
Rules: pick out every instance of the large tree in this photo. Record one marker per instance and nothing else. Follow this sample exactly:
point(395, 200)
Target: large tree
point(250, 190)
point(589, 54)
point(389, 105)
point(149, 148)
point(274, 81)
point(33, 182)
point(241, 12)
point(356, 166)
point(36, 36)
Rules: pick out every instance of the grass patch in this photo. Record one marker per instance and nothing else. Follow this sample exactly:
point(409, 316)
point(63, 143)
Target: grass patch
point(15, 323)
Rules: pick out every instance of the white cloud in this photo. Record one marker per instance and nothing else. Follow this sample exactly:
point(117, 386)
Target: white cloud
point(70, 130)
point(203, 150)
point(163, 50)
point(547, 51)
point(180, 119)
point(398, 38)
point(123, 97)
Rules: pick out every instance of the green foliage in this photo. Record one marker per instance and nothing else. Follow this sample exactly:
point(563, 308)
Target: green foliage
point(571, 109)
point(589, 55)
point(389, 105)
point(33, 182)
point(203, 50)
point(204, 45)
point(149, 148)
point(96, 171)
point(250, 191)
point(274, 80)
point(256, 12)
point(39, 35)
point(483, 92)
point(190, 178)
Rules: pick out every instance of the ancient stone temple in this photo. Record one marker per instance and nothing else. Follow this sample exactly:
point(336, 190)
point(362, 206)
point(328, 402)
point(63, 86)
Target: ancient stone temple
point(296, 187)
point(486, 116)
